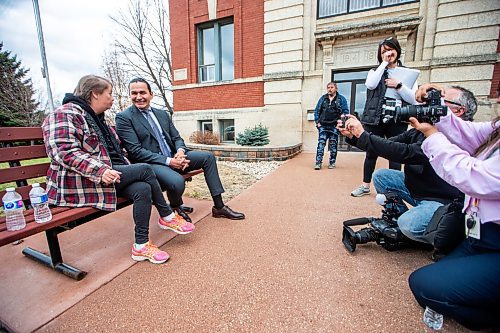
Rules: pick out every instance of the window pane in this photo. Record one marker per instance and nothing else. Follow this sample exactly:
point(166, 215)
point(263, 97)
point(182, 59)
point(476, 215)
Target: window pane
point(207, 126)
point(360, 98)
point(344, 88)
point(332, 7)
point(208, 47)
point(227, 51)
point(363, 4)
point(392, 2)
point(227, 130)
point(350, 76)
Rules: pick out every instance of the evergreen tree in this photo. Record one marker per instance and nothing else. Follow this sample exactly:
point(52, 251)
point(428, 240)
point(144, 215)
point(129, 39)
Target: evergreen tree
point(17, 106)
point(257, 136)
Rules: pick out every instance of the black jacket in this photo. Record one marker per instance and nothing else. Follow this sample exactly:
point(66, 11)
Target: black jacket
point(372, 113)
point(420, 178)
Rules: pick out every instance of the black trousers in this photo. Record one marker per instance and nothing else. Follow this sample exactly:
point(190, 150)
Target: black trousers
point(384, 130)
point(465, 285)
point(138, 182)
point(172, 181)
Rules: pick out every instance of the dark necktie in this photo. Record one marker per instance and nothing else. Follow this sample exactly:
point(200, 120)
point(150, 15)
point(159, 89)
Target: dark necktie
point(165, 150)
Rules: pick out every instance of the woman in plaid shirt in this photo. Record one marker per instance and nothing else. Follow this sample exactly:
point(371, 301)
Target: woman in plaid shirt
point(88, 167)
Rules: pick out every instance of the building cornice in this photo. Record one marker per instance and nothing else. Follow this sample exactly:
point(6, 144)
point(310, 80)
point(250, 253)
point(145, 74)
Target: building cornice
point(407, 22)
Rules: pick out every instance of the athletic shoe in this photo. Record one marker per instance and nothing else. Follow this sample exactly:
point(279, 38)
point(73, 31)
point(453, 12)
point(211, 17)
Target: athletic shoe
point(317, 166)
point(150, 252)
point(331, 166)
point(177, 225)
point(360, 191)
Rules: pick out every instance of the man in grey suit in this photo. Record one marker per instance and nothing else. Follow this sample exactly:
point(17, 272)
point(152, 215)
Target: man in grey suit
point(150, 136)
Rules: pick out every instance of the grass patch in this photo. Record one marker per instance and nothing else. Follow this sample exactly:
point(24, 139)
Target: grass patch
point(5, 165)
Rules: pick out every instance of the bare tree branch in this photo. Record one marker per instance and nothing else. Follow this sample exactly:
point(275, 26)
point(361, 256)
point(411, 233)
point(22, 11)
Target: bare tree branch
point(144, 45)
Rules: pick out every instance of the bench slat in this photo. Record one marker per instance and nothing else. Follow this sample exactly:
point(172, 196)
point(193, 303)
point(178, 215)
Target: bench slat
point(22, 153)
point(8, 134)
point(23, 172)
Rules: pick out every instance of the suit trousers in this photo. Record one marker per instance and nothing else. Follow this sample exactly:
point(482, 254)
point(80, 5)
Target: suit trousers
point(138, 182)
point(171, 180)
point(465, 284)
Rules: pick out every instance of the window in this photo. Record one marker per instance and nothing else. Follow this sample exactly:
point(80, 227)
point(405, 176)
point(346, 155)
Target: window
point(216, 51)
point(351, 85)
point(328, 8)
point(227, 130)
point(206, 126)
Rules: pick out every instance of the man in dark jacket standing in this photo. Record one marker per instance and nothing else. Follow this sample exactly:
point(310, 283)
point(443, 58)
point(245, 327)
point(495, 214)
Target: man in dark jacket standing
point(418, 184)
point(328, 110)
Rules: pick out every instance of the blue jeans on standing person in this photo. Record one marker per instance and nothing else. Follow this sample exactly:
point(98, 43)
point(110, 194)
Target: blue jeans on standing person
point(414, 221)
point(331, 134)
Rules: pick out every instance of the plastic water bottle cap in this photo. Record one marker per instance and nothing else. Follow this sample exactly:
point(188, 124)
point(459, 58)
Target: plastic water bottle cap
point(35, 185)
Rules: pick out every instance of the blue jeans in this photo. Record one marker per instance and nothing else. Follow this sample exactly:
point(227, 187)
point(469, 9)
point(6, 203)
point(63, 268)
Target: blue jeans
point(332, 135)
point(414, 221)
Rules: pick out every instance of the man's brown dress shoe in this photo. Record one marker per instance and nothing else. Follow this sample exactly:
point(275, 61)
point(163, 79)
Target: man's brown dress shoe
point(228, 213)
point(182, 213)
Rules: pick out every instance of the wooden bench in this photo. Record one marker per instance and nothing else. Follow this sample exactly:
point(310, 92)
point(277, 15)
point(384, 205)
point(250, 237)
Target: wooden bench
point(18, 144)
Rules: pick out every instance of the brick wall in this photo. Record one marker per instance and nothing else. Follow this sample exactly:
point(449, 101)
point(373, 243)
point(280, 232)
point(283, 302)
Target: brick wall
point(220, 97)
point(495, 80)
point(248, 19)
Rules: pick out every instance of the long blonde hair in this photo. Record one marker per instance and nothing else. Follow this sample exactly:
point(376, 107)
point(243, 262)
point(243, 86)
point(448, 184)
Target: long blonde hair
point(492, 139)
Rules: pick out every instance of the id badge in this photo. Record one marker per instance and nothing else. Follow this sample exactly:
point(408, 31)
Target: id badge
point(472, 226)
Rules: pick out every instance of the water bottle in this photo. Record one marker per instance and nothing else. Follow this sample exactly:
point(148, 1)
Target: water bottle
point(433, 319)
point(39, 202)
point(13, 208)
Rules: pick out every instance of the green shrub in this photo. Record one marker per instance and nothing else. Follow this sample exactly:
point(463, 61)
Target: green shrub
point(256, 136)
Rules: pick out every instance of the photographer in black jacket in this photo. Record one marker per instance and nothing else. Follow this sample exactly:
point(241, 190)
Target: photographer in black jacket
point(418, 184)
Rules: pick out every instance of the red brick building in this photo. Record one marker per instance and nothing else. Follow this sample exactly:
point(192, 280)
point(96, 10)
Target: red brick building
point(218, 62)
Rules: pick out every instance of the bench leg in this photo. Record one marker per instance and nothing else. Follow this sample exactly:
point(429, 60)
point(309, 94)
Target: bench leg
point(54, 261)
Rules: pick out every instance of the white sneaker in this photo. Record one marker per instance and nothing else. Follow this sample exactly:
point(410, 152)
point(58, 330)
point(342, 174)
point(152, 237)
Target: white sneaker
point(360, 191)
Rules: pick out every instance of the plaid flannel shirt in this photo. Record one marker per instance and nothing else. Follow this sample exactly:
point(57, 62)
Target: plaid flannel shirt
point(78, 160)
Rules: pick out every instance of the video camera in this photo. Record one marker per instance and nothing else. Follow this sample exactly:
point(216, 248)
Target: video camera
point(384, 230)
point(431, 112)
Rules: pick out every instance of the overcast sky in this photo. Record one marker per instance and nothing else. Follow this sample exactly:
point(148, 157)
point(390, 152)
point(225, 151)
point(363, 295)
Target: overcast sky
point(76, 33)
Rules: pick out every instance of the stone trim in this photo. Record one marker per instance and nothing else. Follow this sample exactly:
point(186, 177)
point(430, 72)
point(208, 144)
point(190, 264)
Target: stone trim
point(394, 23)
point(249, 154)
point(278, 76)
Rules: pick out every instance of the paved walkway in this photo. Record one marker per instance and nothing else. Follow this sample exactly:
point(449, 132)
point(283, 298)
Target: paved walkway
point(283, 269)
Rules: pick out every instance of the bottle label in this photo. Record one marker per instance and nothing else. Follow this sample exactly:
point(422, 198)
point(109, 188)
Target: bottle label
point(10, 205)
point(40, 199)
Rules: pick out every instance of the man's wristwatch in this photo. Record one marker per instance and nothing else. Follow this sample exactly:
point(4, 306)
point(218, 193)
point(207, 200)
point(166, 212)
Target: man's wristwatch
point(399, 85)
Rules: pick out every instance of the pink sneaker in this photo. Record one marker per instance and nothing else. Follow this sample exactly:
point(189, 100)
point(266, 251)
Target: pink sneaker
point(177, 225)
point(150, 252)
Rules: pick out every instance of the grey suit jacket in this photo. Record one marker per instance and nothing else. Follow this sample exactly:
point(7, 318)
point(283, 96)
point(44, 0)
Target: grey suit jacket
point(138, 137)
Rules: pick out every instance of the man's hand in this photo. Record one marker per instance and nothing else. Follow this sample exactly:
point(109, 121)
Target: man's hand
point(354, 126)
point(421, 94)
point(318, 125)
point(426, 128)
point(179, 162)
point(110, 176)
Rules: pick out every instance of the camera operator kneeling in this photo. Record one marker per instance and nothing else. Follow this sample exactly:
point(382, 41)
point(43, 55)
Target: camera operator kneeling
point(465, 285)
point(418, 184)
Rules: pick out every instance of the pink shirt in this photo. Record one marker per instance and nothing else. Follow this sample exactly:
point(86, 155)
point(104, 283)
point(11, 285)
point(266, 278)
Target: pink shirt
point(449, 153)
